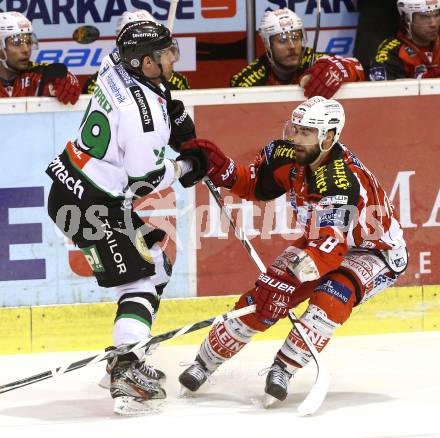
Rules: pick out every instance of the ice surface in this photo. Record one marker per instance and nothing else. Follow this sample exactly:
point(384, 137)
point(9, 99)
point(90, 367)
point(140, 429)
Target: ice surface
point(384, 386)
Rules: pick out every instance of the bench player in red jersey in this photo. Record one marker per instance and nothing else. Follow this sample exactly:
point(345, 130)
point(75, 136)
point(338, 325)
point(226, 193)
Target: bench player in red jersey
point(19, 76)
point(415, 51)
point(287, 60)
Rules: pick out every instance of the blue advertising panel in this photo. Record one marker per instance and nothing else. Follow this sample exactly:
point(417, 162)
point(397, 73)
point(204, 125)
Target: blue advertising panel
point(56, 21)
point(35, 263)
point(58, 18)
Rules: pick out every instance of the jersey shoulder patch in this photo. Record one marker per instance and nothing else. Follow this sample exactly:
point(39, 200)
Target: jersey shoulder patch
point(114, 56)
point(178, 81)
point(378, 74)
point(279, 152)
point(90, 84)
point(336, 182)
point(254, 74)
point(386, 49)
point(306, 58)
point(36, 67)
point(115, 80)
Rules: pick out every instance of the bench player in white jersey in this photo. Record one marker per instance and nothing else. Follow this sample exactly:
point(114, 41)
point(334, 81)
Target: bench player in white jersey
point(119, 151)
point(351, 246)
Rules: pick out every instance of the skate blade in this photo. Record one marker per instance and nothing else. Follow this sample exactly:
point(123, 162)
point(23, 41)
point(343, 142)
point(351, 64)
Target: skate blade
point(105, 382)
point(129, 407)
point(269, 401)
point(185, 392)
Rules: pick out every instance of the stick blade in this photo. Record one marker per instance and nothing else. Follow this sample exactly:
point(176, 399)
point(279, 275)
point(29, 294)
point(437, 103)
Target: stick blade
point(317, 394)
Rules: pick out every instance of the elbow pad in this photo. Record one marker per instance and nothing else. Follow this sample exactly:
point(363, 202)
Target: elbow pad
point(297, 262)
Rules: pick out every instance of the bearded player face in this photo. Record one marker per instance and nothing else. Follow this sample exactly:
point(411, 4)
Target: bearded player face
point(306, 142)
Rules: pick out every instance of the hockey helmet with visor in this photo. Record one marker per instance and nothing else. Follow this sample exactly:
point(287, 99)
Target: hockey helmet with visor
point(283, 24)
point(428, 13)
point(319, 113)
point(17, 30)
point(146, 38)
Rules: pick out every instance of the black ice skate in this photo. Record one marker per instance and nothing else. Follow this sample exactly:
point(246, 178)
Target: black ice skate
point(277, 383)
point(195, 375)
point(105, 380)
point(134, 384)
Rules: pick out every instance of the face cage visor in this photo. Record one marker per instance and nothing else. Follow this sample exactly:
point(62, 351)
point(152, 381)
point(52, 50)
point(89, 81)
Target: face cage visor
point(291, 129)
point(283, 38)
point(168, 55)
point(294, 36)
point(425, 21)
point(21, 39)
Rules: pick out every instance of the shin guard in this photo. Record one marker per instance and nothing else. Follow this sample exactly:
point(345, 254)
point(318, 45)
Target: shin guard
point(319, 328)
point(224, 341)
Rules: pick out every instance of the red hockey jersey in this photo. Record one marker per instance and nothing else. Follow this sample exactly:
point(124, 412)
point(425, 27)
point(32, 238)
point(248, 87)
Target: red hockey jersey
point(338, 206)
point(26, 83)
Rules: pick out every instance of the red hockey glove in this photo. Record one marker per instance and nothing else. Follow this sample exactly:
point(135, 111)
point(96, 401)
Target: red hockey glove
point(432, 73)
point(67, 89)
point(274, 294)
point(326, 76)
point(221, 169)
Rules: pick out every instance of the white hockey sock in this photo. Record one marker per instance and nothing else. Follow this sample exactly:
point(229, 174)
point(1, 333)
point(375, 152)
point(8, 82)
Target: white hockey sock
point(294, 353)
point(224, 341)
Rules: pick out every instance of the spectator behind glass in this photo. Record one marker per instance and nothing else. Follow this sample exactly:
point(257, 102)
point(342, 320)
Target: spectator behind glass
point(378, 19)
point(177, 81)
point(288, 61)
point(415, 51)
point(19, 76)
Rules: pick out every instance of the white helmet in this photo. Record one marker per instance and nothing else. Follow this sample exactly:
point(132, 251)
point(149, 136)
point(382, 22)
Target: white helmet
point(12, 24)
point(321, 113)
point(280, 21)
point(409, 7)
point(128, 17)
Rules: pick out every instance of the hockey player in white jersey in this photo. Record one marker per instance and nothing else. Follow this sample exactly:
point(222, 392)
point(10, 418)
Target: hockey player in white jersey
point(119, 151)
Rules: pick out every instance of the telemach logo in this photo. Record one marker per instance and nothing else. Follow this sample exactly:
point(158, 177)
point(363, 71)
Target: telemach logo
point(59, 170)
point(144, 109)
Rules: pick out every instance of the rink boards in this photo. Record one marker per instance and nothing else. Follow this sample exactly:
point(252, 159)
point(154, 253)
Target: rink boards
point(390, 125)
point(89, 326)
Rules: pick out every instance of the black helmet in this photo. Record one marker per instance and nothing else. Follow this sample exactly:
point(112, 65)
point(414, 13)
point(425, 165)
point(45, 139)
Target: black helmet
point(139, 39)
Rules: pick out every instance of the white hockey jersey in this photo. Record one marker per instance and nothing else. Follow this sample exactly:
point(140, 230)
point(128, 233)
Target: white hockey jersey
point(121, 139)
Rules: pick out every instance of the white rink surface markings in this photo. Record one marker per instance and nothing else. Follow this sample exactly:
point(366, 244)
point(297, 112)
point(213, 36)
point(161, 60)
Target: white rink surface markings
point(385, 386)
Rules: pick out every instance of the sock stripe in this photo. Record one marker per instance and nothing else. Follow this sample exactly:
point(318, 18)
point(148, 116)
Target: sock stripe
point(142, 312)
point(141, 301)
point(134, 316)
point(151, 297)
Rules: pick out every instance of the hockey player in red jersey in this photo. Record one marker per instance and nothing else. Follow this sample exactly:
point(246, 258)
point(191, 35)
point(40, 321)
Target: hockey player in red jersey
point(351, 248)
point(19, 76)
point(415, 51)
point(288, 61)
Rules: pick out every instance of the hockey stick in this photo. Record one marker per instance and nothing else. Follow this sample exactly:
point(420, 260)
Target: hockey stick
point(127, 348)
point(317, 28)
point(319, 390)
point(172, 15)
